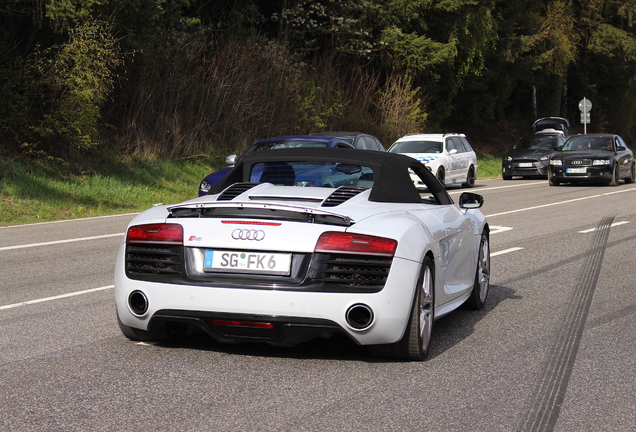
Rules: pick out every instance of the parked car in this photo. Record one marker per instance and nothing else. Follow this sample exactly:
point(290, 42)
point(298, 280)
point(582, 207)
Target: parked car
point(594, 158)
point(449, 156)
point(553, 124)
point(357, 139)
point(258, 261)
point(269, 144)
point(530, 156)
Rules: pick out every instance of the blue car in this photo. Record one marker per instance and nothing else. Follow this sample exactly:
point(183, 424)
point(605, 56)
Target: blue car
point(270, 144)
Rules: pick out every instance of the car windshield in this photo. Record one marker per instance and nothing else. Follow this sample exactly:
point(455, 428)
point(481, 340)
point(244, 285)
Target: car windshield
point(583, 142)
point(312, 174)
point(416, 147)
point(282, 144)
point(536, 142)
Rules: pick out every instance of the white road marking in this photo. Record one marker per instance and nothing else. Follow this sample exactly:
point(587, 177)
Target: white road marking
point(559, 203)
point(61, 296)
point(505, 251)
point(611, 226)
point(60, 241)
point(497, 187)
point(68, 220)
point(496, 229)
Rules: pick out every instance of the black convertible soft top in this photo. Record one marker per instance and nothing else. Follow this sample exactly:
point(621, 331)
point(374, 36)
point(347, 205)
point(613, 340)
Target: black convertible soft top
point(392, 182)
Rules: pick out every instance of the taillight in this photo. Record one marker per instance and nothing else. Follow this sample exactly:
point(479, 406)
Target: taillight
point(155, 233)
point(340, 242)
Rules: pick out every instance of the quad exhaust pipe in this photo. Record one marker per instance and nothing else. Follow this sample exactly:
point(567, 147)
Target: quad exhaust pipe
point(138, 303)
point(359, 316)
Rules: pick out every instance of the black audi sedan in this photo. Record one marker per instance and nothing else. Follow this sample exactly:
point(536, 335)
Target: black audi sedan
point(598, 158)
point(530, 156)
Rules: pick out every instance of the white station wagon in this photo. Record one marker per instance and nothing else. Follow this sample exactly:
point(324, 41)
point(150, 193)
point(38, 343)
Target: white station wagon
point(449, 156)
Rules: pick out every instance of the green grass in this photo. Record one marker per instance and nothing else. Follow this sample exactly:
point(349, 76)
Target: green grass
point(52, 190)
point(489, 167)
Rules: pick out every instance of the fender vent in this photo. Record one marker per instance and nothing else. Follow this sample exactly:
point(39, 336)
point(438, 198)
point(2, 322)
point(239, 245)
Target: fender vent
point(342, 194)
point(235, 190)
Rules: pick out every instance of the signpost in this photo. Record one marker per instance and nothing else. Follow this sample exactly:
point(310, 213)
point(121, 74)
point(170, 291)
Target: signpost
point(585, 106)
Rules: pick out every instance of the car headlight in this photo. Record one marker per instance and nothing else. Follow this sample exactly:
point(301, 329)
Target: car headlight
point(558, 162)
point(508, 158)
point(544, 158)
point(205, 186)
point(601, 162)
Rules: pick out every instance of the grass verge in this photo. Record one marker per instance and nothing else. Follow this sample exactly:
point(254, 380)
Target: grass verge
point(36, 192)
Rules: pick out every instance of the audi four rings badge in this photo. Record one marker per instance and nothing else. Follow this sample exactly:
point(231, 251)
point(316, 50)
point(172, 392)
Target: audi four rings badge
point(248, 234)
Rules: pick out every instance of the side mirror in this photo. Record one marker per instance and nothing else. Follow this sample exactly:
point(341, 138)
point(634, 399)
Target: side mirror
point(231, 159)
point(452, 152)
point(469, 200)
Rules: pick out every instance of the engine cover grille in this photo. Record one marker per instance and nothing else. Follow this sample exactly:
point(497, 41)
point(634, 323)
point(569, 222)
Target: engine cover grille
point(152, 260)
point(361, 273)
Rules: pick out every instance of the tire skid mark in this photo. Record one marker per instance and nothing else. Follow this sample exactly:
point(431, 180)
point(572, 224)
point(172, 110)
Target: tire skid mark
point(550, 390)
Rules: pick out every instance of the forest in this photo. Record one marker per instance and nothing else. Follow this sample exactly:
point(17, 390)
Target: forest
point(172, 78)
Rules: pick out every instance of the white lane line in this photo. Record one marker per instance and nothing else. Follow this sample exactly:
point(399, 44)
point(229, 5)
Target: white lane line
point(60, 241)
point(559, 203)
point(61, 296)
point(611, 226)
point(505, 251)
point(68, 220)
point(478, 190)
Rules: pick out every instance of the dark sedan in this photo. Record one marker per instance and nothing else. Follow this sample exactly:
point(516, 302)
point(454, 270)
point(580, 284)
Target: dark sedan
point(599, 158)
point(530, 156)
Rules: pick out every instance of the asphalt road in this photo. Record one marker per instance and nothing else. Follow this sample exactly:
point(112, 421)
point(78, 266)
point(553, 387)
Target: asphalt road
point(554, 349)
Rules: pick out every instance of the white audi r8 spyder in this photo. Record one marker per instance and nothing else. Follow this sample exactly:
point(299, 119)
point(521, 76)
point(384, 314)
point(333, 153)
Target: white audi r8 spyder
point(302, 243)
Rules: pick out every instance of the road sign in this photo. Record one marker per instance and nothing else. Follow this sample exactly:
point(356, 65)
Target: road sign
point(585, 105)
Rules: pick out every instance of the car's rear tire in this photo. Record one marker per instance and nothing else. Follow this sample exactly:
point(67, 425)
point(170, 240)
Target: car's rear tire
point(416, 341)
point(553, 182)
point(481, 285)
point(632, 175)
point(470, 178)
point(441, 175)
point(614, 180)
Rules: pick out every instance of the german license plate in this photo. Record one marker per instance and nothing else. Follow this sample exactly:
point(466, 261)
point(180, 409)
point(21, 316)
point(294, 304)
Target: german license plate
point(525, 164)
point(576, 170)
point(247, 262)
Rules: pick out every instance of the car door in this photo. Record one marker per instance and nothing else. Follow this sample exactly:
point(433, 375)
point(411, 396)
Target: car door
point(456, 159)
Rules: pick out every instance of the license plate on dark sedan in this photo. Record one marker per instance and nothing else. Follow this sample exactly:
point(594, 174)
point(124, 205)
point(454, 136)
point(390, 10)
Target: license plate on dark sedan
point(247, 262)
point(576, 170)
point(525, 164)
